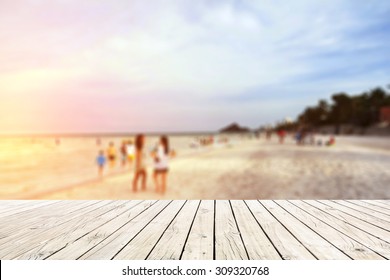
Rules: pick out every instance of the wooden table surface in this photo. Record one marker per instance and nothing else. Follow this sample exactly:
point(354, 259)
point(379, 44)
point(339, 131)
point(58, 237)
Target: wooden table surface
point(194, 229)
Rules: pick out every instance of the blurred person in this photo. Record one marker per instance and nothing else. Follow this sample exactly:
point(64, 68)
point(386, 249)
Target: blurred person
point(161, 164)
point(281, 135)
point(111, 154)
point(312, 137)
point(101, 162)
point(123, 151)
point(331, 141)
point(268, 134)
point(194, 143)
point(140, 169)
point(298, 136)
point(301, 136)
point(130, 151)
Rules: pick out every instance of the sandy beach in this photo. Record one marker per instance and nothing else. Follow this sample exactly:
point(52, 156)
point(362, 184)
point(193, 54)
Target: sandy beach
point(355, 168)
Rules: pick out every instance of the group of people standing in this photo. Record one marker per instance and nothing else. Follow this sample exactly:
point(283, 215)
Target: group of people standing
point(302, 137)
point(281, 133)
point(134, 155)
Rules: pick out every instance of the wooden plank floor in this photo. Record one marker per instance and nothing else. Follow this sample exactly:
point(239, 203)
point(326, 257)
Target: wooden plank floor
point(193, 229)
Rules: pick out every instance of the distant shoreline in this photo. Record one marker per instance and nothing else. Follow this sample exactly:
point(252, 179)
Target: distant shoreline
point(109, 134)
point(326, 131)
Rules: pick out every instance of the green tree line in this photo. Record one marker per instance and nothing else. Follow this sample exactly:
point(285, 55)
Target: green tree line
point(361, 110)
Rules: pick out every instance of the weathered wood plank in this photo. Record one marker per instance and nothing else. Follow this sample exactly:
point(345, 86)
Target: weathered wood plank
point(318, 246)
point(22, 219)
point(4, 204)
point(377, 205)
point(228, 243)
point(369, 206)
point(22, 231)
point(345, 244)
point(359, 214)
point(142, 244)
point(171, 244)
point(200, 243)
point(287, 245)
point(356, 222)
point(256, 242)
point(26, 207)
point(195, 229)
point(109, 247)
point(364, 210)
point(39, 236)
point(384, 203)
point(55, 213)
point(12, 207)
point(80, 240)
point(370, 242)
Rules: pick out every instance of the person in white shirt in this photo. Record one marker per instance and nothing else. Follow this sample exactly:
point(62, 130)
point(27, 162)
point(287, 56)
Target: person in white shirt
point(161, 164)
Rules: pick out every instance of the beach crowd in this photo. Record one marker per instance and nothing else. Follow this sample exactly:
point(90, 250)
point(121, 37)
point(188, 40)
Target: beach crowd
point(132, 153)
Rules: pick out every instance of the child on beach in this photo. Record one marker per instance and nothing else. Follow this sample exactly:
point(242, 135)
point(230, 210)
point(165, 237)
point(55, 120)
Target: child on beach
point(140, 169)
point(101, 162)
point(111, 154)
point(161, 164)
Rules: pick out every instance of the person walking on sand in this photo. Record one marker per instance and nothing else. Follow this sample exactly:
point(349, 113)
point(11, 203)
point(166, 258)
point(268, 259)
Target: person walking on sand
point(268, 134)
point(123, 151)
point(130, 151)
point(161, 164)
point(101, 162)
point(331, 141)
point(281, 135)
point(111, 154)
point(140, 169)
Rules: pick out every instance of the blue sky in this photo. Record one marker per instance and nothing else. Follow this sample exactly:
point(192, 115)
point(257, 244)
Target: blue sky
point(109, 66)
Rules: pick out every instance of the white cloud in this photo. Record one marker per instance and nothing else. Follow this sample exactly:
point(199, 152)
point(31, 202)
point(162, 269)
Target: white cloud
point(203, 50)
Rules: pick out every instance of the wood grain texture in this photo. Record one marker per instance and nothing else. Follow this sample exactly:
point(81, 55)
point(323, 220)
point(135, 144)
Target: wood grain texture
point(171, 244)
point(284, 242)
point(195, 230)
point(256, 242)
point(228, 243)
point(113, 244)
point(318, 223)
point(200, 242)
point(359, 223)
point(318, 247)
point(369, 243)
point(142, 244)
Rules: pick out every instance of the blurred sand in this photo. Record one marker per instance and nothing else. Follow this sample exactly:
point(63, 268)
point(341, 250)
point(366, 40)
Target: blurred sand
point(30, 166)
point(355, 168)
